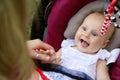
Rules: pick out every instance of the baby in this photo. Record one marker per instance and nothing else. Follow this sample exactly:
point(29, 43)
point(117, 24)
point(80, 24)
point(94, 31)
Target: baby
point(79, 56)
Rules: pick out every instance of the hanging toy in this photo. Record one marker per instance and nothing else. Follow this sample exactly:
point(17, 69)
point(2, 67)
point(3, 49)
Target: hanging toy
point(109, 19)
point(114, 19)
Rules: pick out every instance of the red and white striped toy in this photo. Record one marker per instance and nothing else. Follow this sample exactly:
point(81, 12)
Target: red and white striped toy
point(108, 21)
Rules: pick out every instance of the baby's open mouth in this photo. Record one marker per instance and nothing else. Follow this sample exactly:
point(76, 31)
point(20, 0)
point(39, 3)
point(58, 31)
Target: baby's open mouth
point(84, 43)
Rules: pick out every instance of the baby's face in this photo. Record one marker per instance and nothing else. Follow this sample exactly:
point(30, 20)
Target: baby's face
point(88, 38)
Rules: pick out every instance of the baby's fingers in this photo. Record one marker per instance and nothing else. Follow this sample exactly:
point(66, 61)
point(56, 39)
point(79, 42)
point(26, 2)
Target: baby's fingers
point(44, 51)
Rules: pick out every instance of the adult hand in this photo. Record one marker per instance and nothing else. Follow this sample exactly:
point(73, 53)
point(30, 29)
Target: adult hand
point(40, 50)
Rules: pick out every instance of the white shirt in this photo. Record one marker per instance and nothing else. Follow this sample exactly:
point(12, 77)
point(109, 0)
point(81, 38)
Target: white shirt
point(76, 60)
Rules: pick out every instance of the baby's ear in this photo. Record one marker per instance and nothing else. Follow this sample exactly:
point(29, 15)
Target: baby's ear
point(106, 43)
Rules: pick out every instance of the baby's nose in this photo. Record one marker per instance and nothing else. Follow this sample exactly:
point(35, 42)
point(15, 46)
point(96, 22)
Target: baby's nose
point(87, 34)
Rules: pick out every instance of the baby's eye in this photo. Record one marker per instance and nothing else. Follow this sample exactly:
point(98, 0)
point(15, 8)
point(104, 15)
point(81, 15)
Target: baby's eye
point(84, 28)
point(94, 34)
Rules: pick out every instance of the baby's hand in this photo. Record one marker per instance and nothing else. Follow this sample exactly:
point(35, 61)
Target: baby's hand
point(54, 58)
point(47, 52)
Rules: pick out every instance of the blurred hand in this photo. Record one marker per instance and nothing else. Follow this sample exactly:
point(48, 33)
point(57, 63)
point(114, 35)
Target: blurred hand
point(40, 51)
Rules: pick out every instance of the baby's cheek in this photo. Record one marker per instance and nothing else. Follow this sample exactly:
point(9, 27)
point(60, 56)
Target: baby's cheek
point(96, 46)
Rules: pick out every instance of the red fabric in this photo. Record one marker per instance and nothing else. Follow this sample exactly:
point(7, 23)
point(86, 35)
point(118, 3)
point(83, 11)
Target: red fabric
point(115, 70)
point(58, 18)
point(41, 74)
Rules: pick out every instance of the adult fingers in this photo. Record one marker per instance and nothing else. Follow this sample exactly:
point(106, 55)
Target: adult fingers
point(40, 56)
point(38, 44)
